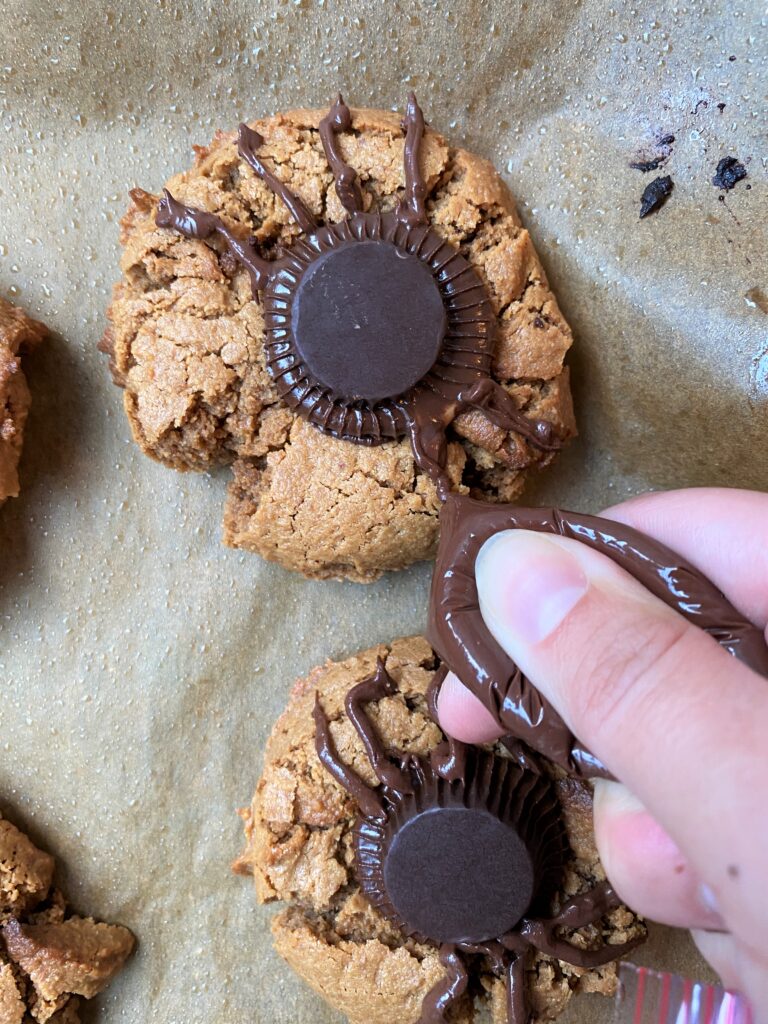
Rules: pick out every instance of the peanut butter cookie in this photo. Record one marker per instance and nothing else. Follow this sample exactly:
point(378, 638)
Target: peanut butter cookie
point(347, 929)
point(348, 311)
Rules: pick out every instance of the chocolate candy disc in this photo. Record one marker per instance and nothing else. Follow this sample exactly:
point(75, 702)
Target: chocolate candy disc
point(368, 320)
point(463, 861)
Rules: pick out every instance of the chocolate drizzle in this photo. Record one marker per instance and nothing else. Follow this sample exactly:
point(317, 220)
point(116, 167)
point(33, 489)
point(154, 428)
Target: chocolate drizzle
point(457, 632)
point(376, 327)
point(465, 851)
point(338, 120)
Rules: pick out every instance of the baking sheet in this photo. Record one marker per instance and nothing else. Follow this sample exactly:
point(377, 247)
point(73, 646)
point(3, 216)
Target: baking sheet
point(142, 664)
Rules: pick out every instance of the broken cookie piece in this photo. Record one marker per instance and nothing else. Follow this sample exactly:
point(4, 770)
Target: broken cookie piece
point(50, 958)
point(18, 333)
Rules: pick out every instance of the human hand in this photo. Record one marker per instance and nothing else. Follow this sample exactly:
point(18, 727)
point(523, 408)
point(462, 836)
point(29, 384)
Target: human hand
point(678, 720)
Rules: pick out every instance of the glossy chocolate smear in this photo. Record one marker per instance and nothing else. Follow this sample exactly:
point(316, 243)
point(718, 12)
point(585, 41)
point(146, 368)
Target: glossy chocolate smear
point(457, 632)
point(368, 320)
point(459, 874)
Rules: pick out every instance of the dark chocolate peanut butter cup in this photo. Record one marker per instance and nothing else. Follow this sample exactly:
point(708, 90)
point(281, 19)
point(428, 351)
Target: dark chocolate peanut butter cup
point(362, 311)
point(463, 861)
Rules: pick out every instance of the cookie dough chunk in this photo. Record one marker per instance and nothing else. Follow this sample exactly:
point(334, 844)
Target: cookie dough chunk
point(299, 849)
point(50, 958)
point(186, 342)
point(18, 332)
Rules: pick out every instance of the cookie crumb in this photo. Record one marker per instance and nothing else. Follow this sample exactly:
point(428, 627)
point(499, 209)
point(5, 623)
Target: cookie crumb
point(18, 333)
point(49, 956)
point(655, 194)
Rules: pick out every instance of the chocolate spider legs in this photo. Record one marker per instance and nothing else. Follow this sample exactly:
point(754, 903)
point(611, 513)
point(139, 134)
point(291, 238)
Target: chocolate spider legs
point(448, 759)
point(443, 995)
point(430, 413)
point(365, 797)
point(586, 908)
point(508, 956)
point(399, 779)
point(337, 120)
point(194, 223)
point(374, 688)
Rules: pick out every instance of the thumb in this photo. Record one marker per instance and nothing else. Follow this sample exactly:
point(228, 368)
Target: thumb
point(669, 712)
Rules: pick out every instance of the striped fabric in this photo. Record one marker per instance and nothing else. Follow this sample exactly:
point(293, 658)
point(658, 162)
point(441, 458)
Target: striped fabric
point(652, 997)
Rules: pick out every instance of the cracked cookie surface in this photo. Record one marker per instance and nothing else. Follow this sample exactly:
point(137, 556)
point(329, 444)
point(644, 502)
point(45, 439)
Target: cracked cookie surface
point(18, 333)
point(299, 849)
point(186, 343)
point(50, 958)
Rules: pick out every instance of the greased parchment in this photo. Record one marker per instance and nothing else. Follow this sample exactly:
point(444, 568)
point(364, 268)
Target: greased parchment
point(141, 663)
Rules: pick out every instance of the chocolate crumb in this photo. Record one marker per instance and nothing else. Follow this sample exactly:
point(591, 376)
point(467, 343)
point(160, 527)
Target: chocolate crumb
point(538, 322)
point(729, 172)
point(655, 195)
point(721, 107)
point(732, 57)
point(646, 165)
point(663, 145)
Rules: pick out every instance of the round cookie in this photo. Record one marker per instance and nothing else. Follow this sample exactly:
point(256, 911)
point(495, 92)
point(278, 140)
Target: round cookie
point(188, 340)
point(300, 842)
point(18, 333)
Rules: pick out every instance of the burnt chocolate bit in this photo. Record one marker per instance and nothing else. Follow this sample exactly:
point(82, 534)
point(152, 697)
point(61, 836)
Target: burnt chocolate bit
point(456, 629)
point(663, 145)
point(655, 194)
point(729, 173)
point(647, 165)
point(368, 321)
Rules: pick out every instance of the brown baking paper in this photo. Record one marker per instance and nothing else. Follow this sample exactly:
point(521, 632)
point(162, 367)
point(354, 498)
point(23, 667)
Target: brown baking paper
point(142, 663)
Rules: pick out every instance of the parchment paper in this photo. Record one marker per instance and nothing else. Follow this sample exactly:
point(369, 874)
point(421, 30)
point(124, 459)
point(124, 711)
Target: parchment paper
point(142, 664)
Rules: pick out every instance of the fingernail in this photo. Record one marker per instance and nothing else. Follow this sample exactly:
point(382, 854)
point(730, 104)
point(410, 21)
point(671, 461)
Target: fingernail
point(527, 585)
point(709, 900)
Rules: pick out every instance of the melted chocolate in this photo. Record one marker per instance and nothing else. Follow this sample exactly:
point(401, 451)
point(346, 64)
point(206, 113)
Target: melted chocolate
point(339, 119)
point(376, 327)
point(457, 632)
